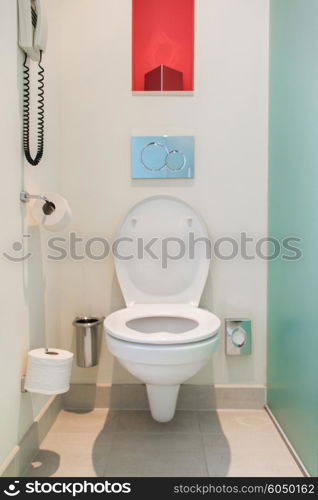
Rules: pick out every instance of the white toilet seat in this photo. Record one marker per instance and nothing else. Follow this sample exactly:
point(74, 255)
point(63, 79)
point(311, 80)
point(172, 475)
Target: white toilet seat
point(201, 325)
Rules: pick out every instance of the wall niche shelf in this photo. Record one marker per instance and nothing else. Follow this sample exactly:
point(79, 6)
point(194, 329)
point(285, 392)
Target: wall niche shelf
point(163, 47)
point(171, 93)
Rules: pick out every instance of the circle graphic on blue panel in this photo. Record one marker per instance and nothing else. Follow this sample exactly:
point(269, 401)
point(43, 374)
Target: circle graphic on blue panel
point(175, 160)
point(153, 156)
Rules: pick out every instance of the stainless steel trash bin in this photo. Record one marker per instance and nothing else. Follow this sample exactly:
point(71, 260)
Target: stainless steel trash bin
point(88, 336)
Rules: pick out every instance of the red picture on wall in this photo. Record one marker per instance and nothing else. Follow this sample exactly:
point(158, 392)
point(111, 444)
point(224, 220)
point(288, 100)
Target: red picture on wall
point(162, 45)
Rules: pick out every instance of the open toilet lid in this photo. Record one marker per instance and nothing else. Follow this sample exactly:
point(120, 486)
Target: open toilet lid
point(156, 258)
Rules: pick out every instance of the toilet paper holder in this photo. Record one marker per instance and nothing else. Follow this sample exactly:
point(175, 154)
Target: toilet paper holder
point(48, 206)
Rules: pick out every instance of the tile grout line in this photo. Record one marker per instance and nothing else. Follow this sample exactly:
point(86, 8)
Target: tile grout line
point(203, 445)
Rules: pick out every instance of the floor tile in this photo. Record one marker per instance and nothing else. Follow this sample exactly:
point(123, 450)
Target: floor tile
point(78, 421)
point(134, 396)
point(242, 421)
point(142, 421)
point(45, 464)
point(239, 443)
point(69, 454)
point(249, 455)
point(150, 454)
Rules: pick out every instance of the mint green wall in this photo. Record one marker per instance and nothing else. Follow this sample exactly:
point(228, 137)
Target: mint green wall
point(293, 211)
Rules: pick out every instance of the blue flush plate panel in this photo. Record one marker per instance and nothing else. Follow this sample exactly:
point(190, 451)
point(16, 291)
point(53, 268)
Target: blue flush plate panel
point(162, 157)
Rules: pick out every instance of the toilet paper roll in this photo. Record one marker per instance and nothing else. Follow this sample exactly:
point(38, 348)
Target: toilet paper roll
point(48, 372)
point(58, 219)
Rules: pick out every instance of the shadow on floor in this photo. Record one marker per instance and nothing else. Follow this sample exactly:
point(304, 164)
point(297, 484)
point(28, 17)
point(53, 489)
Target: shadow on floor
point(45, 464)
point(132, 444)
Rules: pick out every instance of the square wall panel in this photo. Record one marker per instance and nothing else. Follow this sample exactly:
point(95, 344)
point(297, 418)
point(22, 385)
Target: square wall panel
point(162, 157)
point(162, 45)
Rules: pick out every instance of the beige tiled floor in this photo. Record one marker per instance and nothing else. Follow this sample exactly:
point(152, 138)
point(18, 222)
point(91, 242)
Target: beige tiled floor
point(129, 443)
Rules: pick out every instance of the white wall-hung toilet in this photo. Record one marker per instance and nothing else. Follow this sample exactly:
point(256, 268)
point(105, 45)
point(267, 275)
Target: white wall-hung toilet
point(162, 336)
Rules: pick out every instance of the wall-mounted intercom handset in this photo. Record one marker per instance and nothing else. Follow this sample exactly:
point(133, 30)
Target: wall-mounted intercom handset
point(32, 40)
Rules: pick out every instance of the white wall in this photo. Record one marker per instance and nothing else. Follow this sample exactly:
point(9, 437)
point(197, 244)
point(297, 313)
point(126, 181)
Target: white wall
point(28, 291)
point(229, 116)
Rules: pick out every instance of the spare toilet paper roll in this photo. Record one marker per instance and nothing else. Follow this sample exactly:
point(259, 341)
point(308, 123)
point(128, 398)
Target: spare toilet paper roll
point(58, 219)
point(48, 372)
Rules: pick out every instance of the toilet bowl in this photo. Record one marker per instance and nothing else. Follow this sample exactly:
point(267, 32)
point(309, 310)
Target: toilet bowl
point(162, 337)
